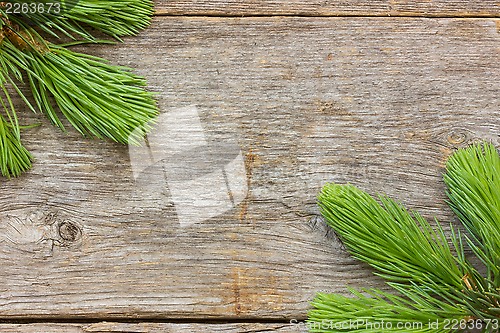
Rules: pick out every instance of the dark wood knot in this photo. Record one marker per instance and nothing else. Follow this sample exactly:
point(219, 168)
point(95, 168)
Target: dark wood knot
point(69, 231)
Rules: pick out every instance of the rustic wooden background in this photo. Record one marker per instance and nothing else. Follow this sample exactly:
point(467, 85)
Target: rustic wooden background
point(376, 93)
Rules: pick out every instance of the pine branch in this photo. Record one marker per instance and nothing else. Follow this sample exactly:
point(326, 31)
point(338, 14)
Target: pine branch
point(473, 180)
point(116, 18)
point(431, 277)
point(97, 98)
point(400, 246)
point(14, 158)
point(378, 311)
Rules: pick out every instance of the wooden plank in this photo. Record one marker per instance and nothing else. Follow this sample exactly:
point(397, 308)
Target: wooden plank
point(376, 102)
point(436, 8)
point(105, 327)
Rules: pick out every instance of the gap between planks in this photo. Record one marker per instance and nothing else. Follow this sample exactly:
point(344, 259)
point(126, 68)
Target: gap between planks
point(128, 320)
point(162, 13)
point(114, 327)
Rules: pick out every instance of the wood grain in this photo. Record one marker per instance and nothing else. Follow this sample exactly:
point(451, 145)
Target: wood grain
point(436, 8)
point(105, 327)
point(378, 102)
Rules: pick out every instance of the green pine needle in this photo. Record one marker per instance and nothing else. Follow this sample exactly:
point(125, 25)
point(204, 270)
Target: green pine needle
point(116, 18)
point(400, 246)
point(473, 180)
point(436, 284)
point(375, 311)
point(14, 158)
point(97, 98)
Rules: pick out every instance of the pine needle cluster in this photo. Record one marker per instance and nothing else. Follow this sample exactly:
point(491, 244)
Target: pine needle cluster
point(97, 98)
point(436, 287)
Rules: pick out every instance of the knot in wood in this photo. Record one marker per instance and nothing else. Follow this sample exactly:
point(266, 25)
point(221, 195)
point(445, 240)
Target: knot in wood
point(457, 137)
point(69, 231)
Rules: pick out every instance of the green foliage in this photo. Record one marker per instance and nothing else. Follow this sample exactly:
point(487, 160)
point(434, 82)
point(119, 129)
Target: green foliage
point(96, 98)
point(113, 17)
point(376, 311)
point(439, 289)
point(14, 157)
point(473, 180)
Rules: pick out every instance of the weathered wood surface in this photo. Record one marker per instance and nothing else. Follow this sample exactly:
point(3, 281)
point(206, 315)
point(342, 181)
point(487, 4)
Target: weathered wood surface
point(435, 8)
point(106, 327)
point(378, 102)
